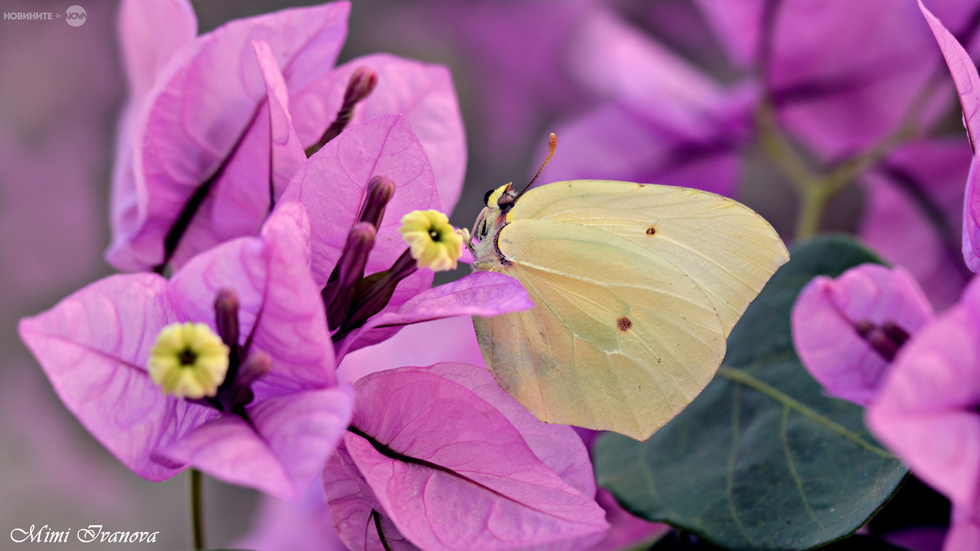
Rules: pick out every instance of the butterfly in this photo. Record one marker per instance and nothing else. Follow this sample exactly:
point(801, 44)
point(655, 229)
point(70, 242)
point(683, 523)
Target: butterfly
point(636, 288)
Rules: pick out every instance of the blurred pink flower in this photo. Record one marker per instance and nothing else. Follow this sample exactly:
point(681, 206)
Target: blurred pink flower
point(848, 330)
point(838, 96)
point(912, 214)
point(661, 120)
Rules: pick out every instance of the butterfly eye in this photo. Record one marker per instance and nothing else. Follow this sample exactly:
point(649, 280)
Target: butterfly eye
point(486, 197)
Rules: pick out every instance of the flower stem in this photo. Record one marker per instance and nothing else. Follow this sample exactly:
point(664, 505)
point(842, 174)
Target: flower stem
point(812, 203)
point(197, 509)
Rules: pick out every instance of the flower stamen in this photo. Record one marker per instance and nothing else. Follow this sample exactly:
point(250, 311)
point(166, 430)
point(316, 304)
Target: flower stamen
point(188, 360)
point(434, 243)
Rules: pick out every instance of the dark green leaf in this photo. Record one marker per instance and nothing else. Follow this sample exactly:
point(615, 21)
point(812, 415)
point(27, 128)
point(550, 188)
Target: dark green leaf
point(762, 459)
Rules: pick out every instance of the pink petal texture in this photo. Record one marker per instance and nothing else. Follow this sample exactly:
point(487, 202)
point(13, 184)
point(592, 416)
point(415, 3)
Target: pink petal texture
point(967, 83)
point(964, 531)
point(424, 94)
point(963, 70)
point(201, 108)
point(280, 311)
point(150, 34)
point(332, 186)
point(825, 322)
point(971, 220)
point(260, 168)
point(478, 294)
point(557, 446)
point(926, 411)
point(93, 346)
point(292, 526)
point(451, 471)
point(425, 343)
point(913, 212)
point(359, 517)
point(280, 450)
point(626, 531)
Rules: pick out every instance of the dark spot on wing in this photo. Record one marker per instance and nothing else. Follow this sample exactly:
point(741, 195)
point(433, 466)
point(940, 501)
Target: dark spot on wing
point(624, 324)
point(651, 230)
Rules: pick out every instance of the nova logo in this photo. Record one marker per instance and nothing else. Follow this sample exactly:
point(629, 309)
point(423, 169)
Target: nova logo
point(75, 16)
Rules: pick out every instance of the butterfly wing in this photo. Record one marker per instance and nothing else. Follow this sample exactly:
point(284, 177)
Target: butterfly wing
point(619, 338)
point(725, 247)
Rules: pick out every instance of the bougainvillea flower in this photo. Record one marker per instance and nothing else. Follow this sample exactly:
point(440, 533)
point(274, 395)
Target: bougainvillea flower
point(967, 83)
point(926, 410)
point(203, 131)
point(848, 330)
point(663, 121)
point(441, 458)
point(912, 214)
point(277, 415)
point(379, 173)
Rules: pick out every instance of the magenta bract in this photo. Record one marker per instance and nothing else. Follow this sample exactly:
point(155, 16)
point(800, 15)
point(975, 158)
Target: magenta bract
point(926, 409)
point(967, 83)
point(442, 458)
point(201, 135)
point(94, 347)
point(847, 330)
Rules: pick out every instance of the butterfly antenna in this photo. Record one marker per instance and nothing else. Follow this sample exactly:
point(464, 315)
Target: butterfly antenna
point(552, 145)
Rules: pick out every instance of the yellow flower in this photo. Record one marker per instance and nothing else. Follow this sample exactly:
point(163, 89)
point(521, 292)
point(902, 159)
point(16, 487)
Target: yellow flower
point(188, 360)
point(434, 243)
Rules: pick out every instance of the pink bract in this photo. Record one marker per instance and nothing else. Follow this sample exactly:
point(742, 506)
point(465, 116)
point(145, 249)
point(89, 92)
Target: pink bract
point(442, 458)
point(926, 410)
point(827, 320)
point(94, 346)
point(967, 83)
point(204, 128)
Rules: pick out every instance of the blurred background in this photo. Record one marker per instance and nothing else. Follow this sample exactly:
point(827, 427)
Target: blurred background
point(522, 68)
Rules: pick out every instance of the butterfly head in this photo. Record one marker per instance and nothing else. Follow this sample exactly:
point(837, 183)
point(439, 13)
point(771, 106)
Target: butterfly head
point(499, 203)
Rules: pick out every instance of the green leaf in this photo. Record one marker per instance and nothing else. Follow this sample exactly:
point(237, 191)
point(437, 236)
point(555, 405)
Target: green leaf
point(762, 459)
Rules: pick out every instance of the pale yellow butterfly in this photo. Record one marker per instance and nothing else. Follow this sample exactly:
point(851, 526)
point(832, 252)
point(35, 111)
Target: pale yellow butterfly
point(636, 287)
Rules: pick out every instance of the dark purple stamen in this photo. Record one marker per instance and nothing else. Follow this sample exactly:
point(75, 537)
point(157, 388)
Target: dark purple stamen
point(226, 321)
point(339, 292)
point(244, 366)
point(256, 365)
point(226, 316)
point(373, 293)
point(360, 86)
point(379, 193)
point(885, 339)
